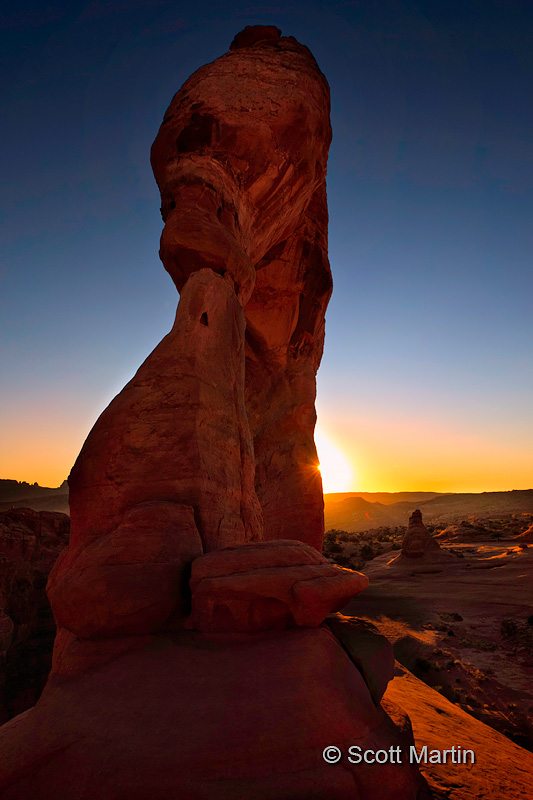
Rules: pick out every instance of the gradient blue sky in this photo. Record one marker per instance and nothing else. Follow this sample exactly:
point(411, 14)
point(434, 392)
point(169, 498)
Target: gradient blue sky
point(427, 376)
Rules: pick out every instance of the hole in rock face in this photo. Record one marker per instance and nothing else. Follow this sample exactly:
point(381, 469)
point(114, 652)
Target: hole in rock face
point(203, 319)
point(198, 134)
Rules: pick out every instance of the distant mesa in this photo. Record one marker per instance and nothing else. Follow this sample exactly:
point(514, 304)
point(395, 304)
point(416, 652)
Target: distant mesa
point(361, 511)
point(21, 494)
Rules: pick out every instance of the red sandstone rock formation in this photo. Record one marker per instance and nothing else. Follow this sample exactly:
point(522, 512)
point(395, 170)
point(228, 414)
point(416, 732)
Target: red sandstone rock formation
point(166, 473)
point(526, 536)
point(371, 653)
point(240, 699)
point(284, 342)
point(240, 161)
point(178, 432)
point(209, 718)
point(417, 540)
point(267, 585)
point(30, 542)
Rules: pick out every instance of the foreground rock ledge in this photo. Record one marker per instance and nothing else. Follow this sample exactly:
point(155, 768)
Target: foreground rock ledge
point(206, 717)
point(265, 585)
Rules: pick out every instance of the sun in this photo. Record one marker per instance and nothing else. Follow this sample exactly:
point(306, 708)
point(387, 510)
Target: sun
point(336, 470)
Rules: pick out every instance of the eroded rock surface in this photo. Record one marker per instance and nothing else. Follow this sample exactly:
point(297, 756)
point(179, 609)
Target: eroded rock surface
point(526, 536)
point(178, 431)
point(284, 343)
point(176, 438)
point(267, 585)
point(132, 580)
point(208, 717)
point(240, 161)
point(201, 462)
point(417, 540)
point(371, 652)
point(30, 542)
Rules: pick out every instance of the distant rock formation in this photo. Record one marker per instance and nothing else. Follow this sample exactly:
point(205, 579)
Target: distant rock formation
point(192, 659)
point(30, 542)
point(526, 536)
point(417, 541)
point(20, 494)
point(464, 531)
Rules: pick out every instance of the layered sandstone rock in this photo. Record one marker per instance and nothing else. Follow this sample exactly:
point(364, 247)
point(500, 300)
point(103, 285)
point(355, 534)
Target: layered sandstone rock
point(178, 431)
point(371, 652)
point(166, 473)
point(267, 585)
point(201, 462)
point(284, 343)
point(30, 542)
point(240, 161)
point(210, 718)
point(526, 536)
point(417, 541)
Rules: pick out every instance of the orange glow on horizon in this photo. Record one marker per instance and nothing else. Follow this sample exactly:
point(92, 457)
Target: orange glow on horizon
point(413, 454)
point(389, 455)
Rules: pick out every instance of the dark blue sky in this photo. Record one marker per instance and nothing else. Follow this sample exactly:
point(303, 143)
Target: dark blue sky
point(427, 378)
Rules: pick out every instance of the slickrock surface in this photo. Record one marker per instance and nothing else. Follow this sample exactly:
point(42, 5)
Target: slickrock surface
point(462, 532)
point(209, 718)
point(462, 626)
point(417, 541)
point(502, 769)
point(526, 536)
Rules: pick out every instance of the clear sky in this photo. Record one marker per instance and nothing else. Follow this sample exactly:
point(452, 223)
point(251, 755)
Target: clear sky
point(427, 376)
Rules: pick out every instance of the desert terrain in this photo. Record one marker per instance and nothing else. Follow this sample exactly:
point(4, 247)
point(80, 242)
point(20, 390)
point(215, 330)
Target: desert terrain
point(459, 619)
point(461, 624)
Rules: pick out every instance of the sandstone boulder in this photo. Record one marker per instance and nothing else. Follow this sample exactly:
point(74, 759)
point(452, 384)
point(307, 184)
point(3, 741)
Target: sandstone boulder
point(131, 581)
point(267, 585)
point(371, 652)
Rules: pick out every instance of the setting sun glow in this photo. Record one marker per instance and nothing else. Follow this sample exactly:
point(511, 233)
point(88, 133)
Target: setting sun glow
point(336, 470)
